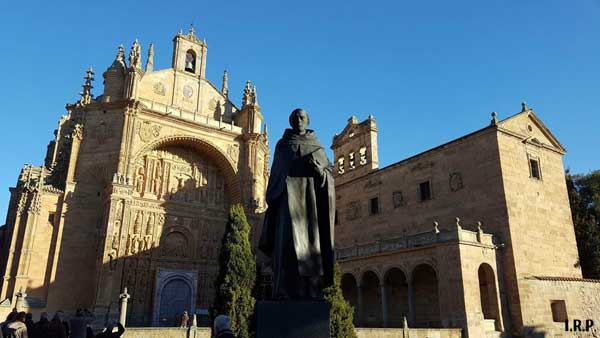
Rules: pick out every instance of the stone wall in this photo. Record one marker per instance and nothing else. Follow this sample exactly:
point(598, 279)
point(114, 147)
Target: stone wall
point(582, 299)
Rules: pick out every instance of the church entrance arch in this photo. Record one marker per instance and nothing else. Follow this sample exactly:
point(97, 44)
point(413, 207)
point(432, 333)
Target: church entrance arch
point(175, 292)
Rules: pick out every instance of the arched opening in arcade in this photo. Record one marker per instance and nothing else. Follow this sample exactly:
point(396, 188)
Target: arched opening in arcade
point(350, 292)
point(488, 295)
point(396, 294)
point(426, 296)
point(371, 314)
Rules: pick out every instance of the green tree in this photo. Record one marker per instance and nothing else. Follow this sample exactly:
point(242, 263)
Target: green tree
point(237, 274)
point(584, 197)
point(341, 312)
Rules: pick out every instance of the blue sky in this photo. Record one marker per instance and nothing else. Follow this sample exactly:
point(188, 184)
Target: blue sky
point(429, 71)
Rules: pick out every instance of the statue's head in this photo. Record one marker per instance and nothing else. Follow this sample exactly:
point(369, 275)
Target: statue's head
point(299, 120)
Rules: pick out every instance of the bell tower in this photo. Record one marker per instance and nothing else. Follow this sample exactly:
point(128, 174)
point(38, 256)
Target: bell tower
point(189, 53)
point(355, 150)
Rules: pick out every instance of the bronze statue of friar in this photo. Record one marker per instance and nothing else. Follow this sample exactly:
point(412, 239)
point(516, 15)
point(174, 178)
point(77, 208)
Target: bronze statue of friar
point(298, 229)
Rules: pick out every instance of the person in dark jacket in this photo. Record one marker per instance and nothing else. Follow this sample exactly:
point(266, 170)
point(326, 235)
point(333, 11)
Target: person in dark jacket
point(222, 327)
point(56, 328)
point(30, 325)
point(40, 328)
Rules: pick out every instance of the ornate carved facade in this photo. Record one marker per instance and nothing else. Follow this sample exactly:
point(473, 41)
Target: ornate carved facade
point(137, 180)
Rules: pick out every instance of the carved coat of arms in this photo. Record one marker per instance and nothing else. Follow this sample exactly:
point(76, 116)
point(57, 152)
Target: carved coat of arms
point(148, 131)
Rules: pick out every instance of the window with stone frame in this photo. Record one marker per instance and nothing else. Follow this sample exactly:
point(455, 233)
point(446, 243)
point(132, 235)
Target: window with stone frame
point(51, 218)
point(559, 310)
point(535, 170)
point(374, 204)
point(425, 191)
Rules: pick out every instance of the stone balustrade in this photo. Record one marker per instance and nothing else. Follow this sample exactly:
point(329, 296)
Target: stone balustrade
point(429, 238)
point(190, 115)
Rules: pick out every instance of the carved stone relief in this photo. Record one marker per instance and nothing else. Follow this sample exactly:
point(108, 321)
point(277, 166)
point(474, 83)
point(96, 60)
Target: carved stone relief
point(354, 211)
point(159, 88)
point(234, 153)
point(147, 131)
point(456, 181)
point(180, 175)
point(398, 199)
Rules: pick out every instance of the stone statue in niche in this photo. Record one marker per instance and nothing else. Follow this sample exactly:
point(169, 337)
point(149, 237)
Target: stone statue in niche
point(115, 241)
point(149, 231)
point(139, 180)
point(134, 241)
point(297, 233)
point(157, 178)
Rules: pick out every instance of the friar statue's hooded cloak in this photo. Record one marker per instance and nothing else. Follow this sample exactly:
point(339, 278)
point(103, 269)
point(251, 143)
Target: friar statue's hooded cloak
point(298, 229)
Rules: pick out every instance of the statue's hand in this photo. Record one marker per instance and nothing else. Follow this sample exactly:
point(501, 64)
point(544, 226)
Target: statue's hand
point(317, 169)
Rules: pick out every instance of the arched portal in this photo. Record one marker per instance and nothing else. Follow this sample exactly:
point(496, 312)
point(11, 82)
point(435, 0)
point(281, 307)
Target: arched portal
point(350, 292)
point(371, 315)
point(174, 299)
point(427, 306)
point(209, 151)
point(396, 287)
point(488, 296)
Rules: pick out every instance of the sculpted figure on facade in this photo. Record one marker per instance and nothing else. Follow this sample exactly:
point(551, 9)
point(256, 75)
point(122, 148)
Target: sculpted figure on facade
point(139, 180)
point(157, 178)
point(149, 231)
point(134, 241)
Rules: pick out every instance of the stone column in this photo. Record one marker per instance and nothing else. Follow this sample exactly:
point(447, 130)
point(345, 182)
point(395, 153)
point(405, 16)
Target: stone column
point(359, 305)
point(411, 302)
point(20, 299)
point(384, 305)
point(123, 298)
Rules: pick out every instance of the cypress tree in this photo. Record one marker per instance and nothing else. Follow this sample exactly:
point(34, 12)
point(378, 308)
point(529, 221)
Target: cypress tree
point(341, 312)
point(237, 274)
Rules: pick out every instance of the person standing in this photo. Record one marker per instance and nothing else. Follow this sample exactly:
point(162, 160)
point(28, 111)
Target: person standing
point(18, 329)
point(184, 319)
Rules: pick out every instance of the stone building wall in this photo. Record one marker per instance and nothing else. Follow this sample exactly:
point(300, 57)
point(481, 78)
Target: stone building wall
point(581, 299)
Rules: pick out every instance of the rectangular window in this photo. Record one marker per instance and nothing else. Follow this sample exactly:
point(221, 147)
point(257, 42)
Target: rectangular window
point(534, 169)
point(425, 190)
point(559, 310)
point(336, 219)
point(51, 218)
point(374, 206)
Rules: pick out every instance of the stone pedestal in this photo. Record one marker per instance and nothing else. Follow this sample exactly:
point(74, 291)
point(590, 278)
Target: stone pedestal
point(292, 319)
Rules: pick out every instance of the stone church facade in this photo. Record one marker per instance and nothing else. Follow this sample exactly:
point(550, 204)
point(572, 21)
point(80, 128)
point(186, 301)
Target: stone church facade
point(135, 191)
point(475, 233)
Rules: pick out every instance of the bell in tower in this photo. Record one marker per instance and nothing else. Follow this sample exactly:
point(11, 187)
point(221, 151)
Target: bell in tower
point(189, 53)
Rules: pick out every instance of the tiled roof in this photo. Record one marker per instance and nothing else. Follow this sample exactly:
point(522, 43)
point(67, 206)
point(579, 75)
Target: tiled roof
point(565, 279)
